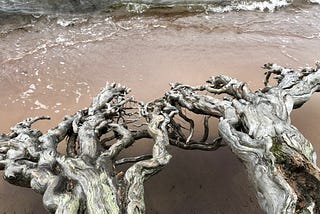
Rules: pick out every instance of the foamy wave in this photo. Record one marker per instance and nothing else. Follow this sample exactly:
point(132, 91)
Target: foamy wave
point(64, 22)
point(270, 6)
point(208, 6)
point(137, 7)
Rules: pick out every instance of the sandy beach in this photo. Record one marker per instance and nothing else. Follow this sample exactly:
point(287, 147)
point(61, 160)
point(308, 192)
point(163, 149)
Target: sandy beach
point(59, 79)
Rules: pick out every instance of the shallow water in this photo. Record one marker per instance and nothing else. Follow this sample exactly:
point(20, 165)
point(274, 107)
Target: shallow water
point(54, 64)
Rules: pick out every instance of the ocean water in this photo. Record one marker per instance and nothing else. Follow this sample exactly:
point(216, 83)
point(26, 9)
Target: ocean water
point(55, 55)
point(68, 23)
point(85, 6)
point(95, 20)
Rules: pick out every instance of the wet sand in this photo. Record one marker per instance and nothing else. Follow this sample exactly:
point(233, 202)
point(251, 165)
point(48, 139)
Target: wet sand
point(64, 80)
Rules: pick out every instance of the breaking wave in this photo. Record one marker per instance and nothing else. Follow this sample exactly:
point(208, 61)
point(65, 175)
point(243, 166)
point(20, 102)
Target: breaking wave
point(93, 6)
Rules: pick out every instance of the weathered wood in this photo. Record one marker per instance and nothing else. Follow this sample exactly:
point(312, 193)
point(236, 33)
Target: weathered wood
point(281, 163)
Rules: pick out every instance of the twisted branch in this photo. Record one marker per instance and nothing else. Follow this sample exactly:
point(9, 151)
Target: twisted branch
point(256, 126)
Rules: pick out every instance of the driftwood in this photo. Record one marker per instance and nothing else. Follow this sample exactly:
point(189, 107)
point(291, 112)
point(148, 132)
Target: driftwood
point(281, 163)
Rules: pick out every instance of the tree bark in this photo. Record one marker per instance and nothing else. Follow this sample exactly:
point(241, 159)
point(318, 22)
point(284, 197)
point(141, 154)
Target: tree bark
point(281, 163)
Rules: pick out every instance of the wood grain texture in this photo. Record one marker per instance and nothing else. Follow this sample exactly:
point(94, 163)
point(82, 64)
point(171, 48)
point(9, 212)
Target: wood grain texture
point(280, 161)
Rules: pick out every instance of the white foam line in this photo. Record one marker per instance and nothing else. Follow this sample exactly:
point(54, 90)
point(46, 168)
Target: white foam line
point(28, 92)
point(40, 105)
point(49, 87)
point(79, 95)
point(262, 6)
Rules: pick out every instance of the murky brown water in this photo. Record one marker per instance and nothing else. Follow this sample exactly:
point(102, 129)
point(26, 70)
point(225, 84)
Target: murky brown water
point(47, 69)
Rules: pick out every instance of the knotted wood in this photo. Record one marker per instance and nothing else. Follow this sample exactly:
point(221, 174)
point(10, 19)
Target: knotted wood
point(280, 161)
